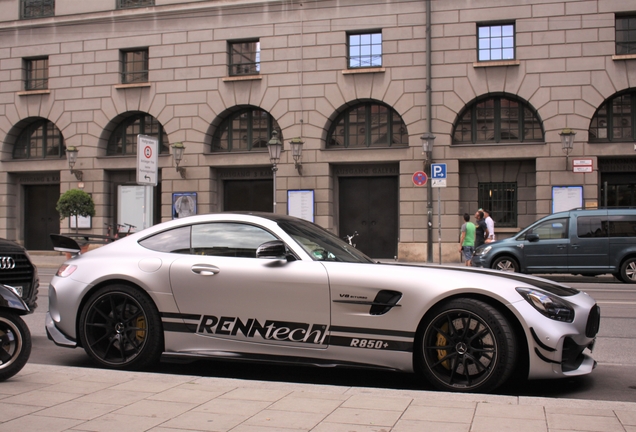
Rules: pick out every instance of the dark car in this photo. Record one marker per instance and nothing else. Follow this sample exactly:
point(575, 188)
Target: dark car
point(17, 270)
point(587, 242)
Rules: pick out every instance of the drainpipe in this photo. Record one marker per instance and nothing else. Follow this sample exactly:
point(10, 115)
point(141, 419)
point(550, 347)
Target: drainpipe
point(429, 127)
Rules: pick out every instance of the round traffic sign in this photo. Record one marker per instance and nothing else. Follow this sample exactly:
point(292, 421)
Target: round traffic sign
point(147, 152)
point(419, 178)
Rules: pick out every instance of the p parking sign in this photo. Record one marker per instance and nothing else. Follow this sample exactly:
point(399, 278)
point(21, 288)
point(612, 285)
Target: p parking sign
point(438, 175)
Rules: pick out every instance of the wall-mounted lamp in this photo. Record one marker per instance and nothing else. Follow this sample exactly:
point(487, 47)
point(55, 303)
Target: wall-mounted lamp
point(427, 145)
point(275, 147)
point(177, 151)
point(297, 152)
point(71, 153)
point(567, 142)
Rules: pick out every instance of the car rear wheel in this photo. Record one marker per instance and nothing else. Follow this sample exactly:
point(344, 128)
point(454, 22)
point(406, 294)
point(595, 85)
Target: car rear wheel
point(505, 263)
point(466, 346)
point(120, 328)
point(628, 270)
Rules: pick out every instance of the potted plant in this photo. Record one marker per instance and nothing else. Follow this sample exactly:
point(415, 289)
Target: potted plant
point(75, 203)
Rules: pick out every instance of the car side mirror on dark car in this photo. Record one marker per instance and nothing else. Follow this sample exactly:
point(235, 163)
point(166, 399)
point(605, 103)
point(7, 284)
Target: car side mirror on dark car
point(532, 237)
point(273, 249)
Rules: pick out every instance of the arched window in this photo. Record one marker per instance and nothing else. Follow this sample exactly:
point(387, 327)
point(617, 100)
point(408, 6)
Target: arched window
point(40, 140)
point(247, 129)
point(614, 120)
point(123, 140)
point(498, 119)
point(368, 125)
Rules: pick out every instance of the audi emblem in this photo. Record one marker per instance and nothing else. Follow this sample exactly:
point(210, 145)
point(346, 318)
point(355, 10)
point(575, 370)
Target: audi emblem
point(7, 263)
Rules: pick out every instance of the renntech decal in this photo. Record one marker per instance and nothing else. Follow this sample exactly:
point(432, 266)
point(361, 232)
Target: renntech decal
point(269, 330)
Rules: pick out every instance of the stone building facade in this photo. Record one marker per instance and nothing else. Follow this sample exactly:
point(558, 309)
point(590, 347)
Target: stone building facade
point(349, 79)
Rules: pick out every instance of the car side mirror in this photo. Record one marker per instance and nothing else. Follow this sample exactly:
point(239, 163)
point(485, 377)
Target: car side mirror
point(273, 249)
point(532, 237)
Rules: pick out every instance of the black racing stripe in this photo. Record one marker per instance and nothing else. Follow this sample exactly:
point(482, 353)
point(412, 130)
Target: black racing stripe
point(368, 331)
point(371, 344)
point(179, 327)
point(180, 316)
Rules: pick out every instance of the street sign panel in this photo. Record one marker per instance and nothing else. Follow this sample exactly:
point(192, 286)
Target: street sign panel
point(419, 178)
point(438, 175)
point(147, 160)
point(438, 171)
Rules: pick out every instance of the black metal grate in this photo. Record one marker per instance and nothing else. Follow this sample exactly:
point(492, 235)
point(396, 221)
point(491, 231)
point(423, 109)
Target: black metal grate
point(37, 8)
point(501, 200)
point(128, 4)
point(593, 322)
point(21, 275)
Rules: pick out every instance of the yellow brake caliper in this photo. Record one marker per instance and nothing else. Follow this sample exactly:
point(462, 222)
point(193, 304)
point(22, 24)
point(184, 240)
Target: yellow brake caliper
point(441, 341)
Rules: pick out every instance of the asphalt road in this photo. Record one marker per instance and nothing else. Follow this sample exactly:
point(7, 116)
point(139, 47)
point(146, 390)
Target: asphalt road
point(614, 379)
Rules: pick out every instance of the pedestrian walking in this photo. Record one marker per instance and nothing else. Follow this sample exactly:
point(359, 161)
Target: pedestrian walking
point(490, 224)
point(467, 240)
point(481, 229)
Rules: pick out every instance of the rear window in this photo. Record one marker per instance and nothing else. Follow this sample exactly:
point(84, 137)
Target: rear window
point(591, 226)
point(622, 226)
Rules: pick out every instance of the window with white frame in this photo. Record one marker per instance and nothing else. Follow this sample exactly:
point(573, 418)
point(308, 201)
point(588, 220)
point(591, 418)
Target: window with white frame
point(496, 42)
point(365, 50)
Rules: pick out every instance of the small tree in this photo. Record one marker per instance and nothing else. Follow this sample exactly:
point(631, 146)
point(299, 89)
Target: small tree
point(75, 202)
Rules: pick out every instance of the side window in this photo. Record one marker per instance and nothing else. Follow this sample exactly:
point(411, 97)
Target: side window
point(591, 226)
point(552, 229)
point(173, 241)
point(622, 226)
point(228, 239)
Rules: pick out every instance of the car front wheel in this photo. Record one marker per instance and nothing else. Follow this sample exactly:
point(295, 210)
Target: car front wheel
point(505, 264)
point(466, 345)
point(628, 270)
point(15, 345)
point(120, 328)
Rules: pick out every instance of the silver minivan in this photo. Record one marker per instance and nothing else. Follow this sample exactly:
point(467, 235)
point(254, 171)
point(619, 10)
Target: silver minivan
point(587, 242)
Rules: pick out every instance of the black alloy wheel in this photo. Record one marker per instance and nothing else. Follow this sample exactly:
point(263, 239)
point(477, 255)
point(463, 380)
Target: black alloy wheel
point(505, 263)
point(467, 346)
point(15, 345)
point(120, 328)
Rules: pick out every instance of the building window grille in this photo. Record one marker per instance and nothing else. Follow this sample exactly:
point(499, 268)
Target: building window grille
point(365, 50)
point(245, 58)
point(615, 119)
point(40, 140)
point(134, 66)
point(123, 140)
point(129, 4)
point(36, 74)
point(248, 129)
point(496, 42)
point(501, 200)
point(37, 8)
point(498, 119)
point(626, 34)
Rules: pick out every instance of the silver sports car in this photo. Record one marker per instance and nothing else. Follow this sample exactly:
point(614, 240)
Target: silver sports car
point(275, 288)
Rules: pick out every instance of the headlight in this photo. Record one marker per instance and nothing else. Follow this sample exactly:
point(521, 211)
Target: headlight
point(65, 270)
point(547, 304)
point(483, 251)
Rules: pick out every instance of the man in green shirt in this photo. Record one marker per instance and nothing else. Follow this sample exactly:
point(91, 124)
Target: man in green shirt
point(467, 241)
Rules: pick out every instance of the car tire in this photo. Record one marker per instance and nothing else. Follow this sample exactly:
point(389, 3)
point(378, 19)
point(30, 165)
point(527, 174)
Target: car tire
point(466, 345)
point(120, 328)
point(628, 270)
point(15, 345)
point(505, 263)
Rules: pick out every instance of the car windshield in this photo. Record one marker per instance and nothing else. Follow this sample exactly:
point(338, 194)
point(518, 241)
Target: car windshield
point(320, 244)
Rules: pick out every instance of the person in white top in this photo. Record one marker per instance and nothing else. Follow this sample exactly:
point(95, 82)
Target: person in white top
point(491, 226)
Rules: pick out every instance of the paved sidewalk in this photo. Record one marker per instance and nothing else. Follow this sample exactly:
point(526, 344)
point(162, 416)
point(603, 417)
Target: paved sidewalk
point(59, 398)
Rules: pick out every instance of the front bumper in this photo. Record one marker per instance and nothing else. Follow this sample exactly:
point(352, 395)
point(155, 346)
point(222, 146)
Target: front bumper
point(55, 335)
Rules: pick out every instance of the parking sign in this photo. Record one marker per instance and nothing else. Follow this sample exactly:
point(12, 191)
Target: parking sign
point(438, 175)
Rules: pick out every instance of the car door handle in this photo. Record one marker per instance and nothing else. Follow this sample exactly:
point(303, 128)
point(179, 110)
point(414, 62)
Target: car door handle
point(205, 270)
point(561, 246)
